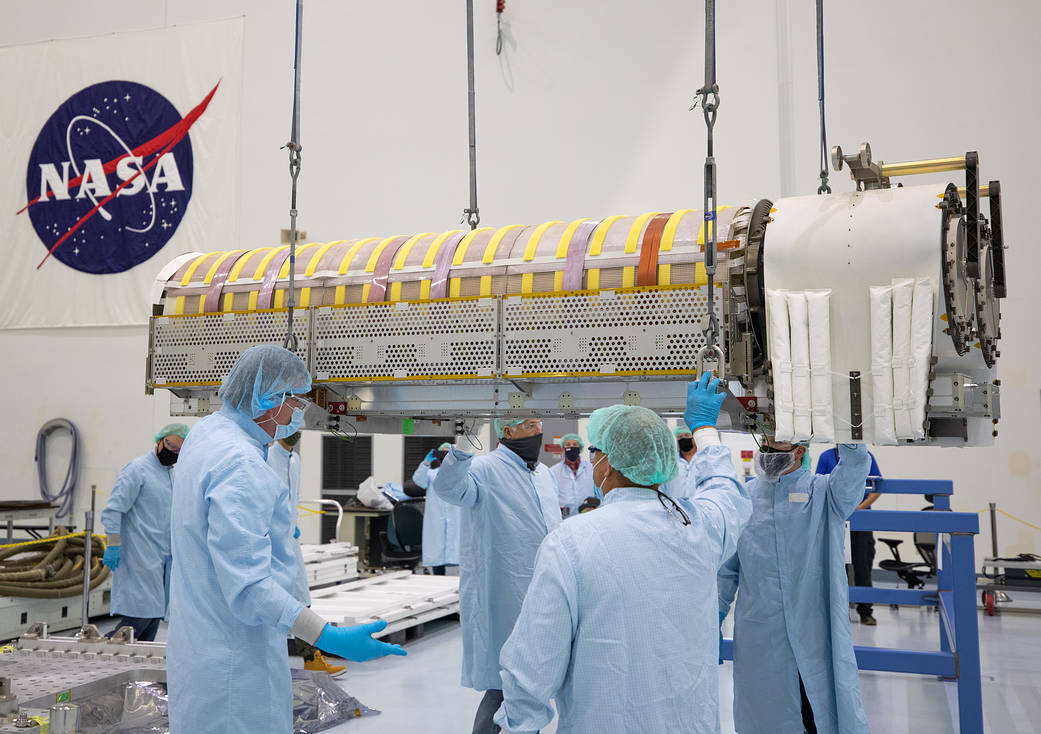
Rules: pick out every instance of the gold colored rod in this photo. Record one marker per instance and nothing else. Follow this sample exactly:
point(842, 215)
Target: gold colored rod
point(984, 192)
point(911, 168)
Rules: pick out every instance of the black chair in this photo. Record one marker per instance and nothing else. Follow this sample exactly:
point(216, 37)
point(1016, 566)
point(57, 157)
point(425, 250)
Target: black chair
point(913, 573)
point(402, 543)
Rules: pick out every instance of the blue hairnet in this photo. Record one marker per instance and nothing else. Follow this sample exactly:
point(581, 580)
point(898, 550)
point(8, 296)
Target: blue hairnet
point(681, 429)
point(172, 429)
point(501, 423)
point(637, 441)
point(572, 437)
point(259, 378)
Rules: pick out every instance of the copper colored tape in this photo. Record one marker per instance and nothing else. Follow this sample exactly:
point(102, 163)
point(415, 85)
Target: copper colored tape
point(266, 295)
point(381, 272)
point(647, 272)
point(575, 264)
point(443, 264)
point(213, 295)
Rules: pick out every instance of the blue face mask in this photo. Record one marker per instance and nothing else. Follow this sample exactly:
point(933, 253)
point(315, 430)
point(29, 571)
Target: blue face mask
point(597, 492)
point(295, 422)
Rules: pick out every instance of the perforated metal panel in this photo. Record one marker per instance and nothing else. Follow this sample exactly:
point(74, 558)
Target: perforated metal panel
point(637, 331)
point(200, 349)
point(408, 340)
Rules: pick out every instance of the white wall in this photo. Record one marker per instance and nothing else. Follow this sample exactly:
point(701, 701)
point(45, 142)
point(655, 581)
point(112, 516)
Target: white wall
point(585, 115)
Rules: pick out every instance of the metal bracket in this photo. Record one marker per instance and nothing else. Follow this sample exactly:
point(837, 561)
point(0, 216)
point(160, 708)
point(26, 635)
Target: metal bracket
point(856, 414)
point(517, 400)
point(631, 397)
point(972, 215)
point(566, 401)
point(862, 170)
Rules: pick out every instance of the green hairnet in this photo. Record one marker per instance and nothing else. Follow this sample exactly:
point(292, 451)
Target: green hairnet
point(637, 441)
point(501, 423)
point(172, 429)
point(681, 429)
point(445, 446)
point(572, 437)
point(260, 377)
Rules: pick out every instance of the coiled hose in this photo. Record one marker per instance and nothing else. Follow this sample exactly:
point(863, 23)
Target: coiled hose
point(51, 568)
point(67, 493)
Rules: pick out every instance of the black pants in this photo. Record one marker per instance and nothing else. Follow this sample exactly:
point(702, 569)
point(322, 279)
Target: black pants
point(301, 649)
point(144, 627)
point(807, 711)
point(862, 550)
point(438, 570)
point(484, 721)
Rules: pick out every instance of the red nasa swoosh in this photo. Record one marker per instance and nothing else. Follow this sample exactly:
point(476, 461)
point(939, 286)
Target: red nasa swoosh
point(160, 144)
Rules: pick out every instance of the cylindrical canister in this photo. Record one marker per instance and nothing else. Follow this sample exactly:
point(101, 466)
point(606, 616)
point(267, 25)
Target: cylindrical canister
point(64, 718)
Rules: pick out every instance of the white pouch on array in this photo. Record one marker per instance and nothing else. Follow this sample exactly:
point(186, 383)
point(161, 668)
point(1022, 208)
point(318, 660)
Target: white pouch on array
point(781, 362)
point(921, 352)
point(802, 407)
point(882, 363)
point(903, 291)
point(818, 305)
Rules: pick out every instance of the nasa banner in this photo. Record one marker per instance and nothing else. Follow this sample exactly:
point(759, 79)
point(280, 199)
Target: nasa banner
point(122, 154)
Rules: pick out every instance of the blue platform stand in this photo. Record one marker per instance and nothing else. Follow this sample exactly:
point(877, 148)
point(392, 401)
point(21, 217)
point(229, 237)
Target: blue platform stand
point(954, 598)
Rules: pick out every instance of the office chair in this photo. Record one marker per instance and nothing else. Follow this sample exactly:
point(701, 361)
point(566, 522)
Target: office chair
point(402, 543)
point(914, 574)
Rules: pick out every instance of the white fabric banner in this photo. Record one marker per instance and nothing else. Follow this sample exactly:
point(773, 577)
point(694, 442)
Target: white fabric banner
point(123, 155)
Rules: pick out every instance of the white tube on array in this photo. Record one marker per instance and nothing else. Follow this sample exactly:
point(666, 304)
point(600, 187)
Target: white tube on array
point(818, 304)
point(903, 291)
point(780, 359)
point(800, 345)
point(921, 352)
point(882, 363)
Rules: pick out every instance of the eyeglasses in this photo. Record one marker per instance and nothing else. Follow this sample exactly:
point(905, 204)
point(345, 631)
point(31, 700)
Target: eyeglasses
point(296, 402)
point(170, 446)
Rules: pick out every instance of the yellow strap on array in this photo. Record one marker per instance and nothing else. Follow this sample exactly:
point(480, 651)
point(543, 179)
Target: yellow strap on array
point(236, 270)
point(489, 255)
point(460, 257)
point(596, 246)
point(562, 248)
point(213, 271)
point(305, 293)
point(179, 306)
point(402, 257)
point(283, 272)
point(345, 266)
point(668, 234)
point(530, 249)
point(374, 258)
point(428, 261)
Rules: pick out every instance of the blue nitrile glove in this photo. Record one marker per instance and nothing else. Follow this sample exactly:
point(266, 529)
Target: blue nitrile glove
point(296, 532)
point(429, 457)
point(356, 643)
point(722, 616)
point(703, 402)
point(111, 557)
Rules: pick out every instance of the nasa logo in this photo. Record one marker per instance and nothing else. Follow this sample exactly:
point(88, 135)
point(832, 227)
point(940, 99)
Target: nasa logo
point(110, 176)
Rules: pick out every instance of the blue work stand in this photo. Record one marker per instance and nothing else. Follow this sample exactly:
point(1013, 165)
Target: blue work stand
point(954, 598)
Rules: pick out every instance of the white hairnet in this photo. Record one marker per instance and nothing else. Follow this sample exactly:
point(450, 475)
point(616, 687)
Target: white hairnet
point(637, 442)
point(259, 378)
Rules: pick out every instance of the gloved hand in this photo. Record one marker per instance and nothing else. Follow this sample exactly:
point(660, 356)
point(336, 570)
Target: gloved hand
point(722, 616)
point(429, 458)
point(356, 643)
point(111, 557)
point(296, 532)
point(703, 402)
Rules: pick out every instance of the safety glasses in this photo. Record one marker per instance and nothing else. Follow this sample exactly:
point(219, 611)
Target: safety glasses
point(295, 402)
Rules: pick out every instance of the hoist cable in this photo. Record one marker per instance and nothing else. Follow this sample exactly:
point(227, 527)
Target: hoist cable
point(824, 188)
point(471, 215)
point(709, 101)
point(293, 145)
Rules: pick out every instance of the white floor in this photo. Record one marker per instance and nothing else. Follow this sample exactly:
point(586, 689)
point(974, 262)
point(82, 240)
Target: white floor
point(421, 692)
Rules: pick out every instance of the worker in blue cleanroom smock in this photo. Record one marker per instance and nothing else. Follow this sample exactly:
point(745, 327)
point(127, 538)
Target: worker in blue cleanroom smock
point(231, 600)
point(574, 476)
point(683, 484)
point(619, 624)
point(137, 523)
point(440, 519)
point(284, 459)
point(794, 667)
point(861, 542)
point(510, 500)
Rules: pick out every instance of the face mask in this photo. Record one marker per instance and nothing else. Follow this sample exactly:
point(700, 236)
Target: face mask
point(771, 466)
point(294, 439)
point(597, 491)
point(572, 454)
point(527, 448)
point(167, 457)
point(297, 420)
point(685, 444)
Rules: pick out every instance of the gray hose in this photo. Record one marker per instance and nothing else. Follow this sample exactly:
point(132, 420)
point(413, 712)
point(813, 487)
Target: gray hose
point(67, 493)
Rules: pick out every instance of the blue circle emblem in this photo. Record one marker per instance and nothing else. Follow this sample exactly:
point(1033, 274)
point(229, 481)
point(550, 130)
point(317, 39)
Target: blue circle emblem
point(111, 173)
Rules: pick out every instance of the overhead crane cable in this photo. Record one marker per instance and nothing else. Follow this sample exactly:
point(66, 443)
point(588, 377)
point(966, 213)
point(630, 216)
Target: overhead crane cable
point(294, 147)
point(709, 101)
point(471, 215)
point(500, 5)
point(824, 188)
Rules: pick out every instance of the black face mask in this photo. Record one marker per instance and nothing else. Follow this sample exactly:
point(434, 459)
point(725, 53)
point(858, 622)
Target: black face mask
point(167, 457)
point(685, 444)
point(292, 440)
point(572, 454)
point(527, 448)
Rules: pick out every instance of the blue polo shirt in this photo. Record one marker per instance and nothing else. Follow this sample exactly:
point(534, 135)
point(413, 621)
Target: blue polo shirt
point(830, 458)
